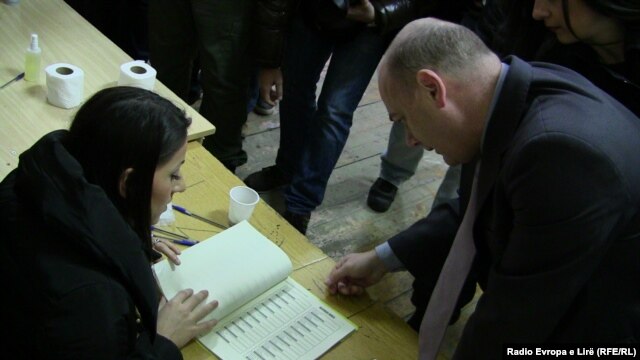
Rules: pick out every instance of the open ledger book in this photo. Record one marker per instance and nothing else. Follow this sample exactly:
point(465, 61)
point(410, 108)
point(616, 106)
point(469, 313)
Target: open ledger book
point(262, 312)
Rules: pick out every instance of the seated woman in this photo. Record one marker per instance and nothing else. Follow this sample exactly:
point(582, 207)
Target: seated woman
point(77, 250)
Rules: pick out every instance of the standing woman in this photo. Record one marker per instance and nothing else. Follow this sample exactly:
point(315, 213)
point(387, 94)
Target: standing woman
point(600, 39)
point(76, 246)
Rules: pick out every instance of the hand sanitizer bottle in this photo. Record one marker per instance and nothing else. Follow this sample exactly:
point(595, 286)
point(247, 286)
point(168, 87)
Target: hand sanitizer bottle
point(32, 60)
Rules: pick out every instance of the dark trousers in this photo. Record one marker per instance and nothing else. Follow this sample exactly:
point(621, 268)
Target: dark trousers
point(123, 21)
point(218, 32)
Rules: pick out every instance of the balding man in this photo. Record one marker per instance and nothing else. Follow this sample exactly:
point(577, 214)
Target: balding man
point(554, 229)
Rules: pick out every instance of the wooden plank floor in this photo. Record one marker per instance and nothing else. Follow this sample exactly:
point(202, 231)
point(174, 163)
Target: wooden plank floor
point(344, 223)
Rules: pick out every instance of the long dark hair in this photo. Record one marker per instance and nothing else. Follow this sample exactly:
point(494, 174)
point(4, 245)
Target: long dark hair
point(126, 127)
point(516, 32)
point(627, 12)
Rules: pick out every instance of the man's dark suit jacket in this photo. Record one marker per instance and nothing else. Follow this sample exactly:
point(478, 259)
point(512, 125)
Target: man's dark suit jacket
point(558, 232)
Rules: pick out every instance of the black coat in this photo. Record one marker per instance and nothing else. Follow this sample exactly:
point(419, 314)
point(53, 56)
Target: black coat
point(77, 281)
point(558, 232)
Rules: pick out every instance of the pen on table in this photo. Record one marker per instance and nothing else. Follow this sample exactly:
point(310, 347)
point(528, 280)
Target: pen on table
point(184, 242)
point(20, 76)
point(180, 237)
point(201, 218)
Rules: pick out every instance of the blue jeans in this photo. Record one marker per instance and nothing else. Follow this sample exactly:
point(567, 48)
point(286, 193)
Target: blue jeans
point(313, 134)
point(253, 92)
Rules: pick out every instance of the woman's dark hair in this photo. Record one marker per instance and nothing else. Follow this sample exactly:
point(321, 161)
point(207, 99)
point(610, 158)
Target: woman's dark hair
point(516, 32)
point(127, 127)
point(628, 13)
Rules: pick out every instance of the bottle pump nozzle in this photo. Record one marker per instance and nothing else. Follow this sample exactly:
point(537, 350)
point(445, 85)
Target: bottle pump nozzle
point(34, 42)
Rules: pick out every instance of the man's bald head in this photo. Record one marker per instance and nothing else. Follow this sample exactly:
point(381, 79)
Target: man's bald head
point(438, 78)
point(441, 46)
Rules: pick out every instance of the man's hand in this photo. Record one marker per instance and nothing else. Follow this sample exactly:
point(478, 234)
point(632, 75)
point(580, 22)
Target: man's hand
point(355, 272)
point(362, 12)
point(270, 83)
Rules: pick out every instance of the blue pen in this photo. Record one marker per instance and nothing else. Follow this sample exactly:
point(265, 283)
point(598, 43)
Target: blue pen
point(184, 242)
point(189, 213)
point(20, 76)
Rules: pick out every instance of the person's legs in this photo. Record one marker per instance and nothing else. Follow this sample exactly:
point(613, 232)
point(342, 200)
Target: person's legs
point(253, 91)
point(353, 62)
point(195, 90)
point(172, 43)
point(449, 186)
point(306, 53)
point(224, 29)
point(123, 21)
point(399, 163)
point(254, 102)
point(400, 160)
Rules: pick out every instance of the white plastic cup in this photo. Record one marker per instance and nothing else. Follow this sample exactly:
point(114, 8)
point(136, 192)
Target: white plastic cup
point(241, 203)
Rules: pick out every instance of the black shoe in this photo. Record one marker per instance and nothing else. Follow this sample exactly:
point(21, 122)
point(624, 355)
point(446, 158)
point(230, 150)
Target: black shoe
point(195, 94)
point(230, 167)
point(267, 179)
point(381, 195)
point(298, 221)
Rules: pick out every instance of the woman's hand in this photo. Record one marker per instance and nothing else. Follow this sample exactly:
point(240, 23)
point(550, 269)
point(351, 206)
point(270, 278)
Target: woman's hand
point(178, 318)
point(170, 250)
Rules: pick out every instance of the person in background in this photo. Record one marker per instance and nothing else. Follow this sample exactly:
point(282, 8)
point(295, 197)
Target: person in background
point(551, 228)
point(557, 31)
point(255, 103)
point(313, 131)
point(123, 21)
point(77, 250)
point(600, 39)
point(219, 34)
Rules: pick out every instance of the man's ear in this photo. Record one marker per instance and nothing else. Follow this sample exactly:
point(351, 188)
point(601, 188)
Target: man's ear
point(430, 81)
point(122, 184)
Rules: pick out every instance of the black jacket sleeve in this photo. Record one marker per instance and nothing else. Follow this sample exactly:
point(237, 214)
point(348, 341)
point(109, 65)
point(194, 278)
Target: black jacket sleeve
point(424, 246)
point(272, 19)
point(97, 321)
point(394, 14)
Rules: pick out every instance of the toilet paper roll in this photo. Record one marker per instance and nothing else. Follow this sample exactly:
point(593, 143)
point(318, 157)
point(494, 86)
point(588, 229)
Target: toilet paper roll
point(137, 73)
point(65, 85)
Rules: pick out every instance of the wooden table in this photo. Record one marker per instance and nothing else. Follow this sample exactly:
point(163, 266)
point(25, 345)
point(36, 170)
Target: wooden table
point(65, 37)
point(381, 334)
